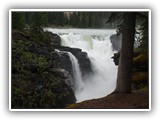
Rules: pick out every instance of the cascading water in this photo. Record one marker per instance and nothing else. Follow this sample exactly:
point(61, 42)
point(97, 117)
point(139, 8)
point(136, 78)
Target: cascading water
point(99, 49)
point(77, 75)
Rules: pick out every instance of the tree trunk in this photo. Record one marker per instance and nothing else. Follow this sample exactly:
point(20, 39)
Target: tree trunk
point(126, 53)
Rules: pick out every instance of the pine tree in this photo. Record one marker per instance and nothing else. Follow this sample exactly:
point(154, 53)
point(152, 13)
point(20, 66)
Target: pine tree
point(144, 36)
point(18, 20)
point(39, 21)
point(126, 54)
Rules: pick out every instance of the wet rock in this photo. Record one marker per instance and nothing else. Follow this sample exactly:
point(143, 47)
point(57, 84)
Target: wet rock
point(54, 38)
point(64, 61)
point(115, 58)
point(34, 82)
point(116, 41)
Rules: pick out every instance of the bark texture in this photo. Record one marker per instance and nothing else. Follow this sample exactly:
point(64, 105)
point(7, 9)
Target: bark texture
point(126, 54)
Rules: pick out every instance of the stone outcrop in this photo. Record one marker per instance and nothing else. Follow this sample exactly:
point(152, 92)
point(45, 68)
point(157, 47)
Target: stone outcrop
point(41, 77)
point(116, 41)
point(116, 57)
point(64, 62)
point(36, 81)
point(55, 39)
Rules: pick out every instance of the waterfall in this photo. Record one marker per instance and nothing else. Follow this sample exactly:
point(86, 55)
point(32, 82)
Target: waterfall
point(77, 75)
point(96, 43)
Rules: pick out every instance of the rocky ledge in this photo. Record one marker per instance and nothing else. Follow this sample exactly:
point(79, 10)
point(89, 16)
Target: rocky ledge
point(65, 63)
point(40, 77)
point(36, 82)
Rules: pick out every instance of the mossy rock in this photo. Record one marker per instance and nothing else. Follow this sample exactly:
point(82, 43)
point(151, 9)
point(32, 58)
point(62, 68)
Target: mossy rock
point(34, 84)
point(72, 106)
point(143, 89)
point(140, 77)
point(141, 59)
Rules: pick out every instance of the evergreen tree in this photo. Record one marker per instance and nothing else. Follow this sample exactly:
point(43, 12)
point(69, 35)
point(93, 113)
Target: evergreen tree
point(126, 54)
point(91, 19)
point(74, 19)
point(18, 20)
point(51, 18)
point(144, 36)
point(128, 37)
point(57, 19)
point(60, 18)
point(39, 20)
point(28, 18)
point(83, 19)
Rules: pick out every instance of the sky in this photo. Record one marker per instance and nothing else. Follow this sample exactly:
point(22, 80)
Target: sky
point(96, 4)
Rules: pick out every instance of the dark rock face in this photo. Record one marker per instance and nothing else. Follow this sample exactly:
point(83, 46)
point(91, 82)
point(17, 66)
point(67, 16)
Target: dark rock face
point(116, 41)
point(84, 62)
point(116, 58)
point(36, 81)
point(62, 61)
point(55, 39)
point(41, 77)
point(66, 85)
point(65, 63)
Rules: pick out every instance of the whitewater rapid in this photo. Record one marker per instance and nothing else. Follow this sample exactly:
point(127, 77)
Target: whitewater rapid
point(96, 42)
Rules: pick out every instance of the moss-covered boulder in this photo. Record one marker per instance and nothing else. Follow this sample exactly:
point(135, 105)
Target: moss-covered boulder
point(140, 79)
point(141, 61)
point(34, 83)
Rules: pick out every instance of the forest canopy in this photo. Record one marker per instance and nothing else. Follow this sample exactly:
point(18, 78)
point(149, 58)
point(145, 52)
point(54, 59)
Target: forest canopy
point(64, 19)
point(36, 21)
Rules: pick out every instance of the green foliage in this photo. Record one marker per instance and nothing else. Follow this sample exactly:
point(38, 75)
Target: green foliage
point(18, 20)
point(73, 106)
point(27, 57)
point(25, 93)
point(141, 20)
point(140, 71)
point(42, 63)
point(141, 59)
point(87, 19)
point(34, 84)
point(139, 77)
point(143, 39)
point(76, 19)
point(36, 21)
point(143, 89)
point(83, 19)
point(43, 39)
point(57, 18)
point(60, 18)
point(115, 20)
point(39, 20)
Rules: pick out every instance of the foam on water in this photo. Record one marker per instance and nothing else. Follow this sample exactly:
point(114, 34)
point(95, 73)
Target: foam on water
point(96, 42)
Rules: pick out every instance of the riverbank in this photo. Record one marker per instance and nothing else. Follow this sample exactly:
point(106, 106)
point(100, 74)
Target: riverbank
point(135, 100)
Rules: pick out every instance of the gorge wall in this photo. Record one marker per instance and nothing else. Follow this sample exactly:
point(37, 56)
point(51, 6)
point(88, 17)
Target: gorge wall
point(41, 77)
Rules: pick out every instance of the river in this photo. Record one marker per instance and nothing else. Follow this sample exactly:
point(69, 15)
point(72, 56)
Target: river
point(96, 43)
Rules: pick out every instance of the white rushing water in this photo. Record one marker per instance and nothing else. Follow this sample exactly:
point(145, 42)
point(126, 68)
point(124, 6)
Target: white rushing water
point(76, 73)
point(96, 42)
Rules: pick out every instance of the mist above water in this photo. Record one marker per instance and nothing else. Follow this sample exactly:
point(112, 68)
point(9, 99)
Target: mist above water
point(96, 42)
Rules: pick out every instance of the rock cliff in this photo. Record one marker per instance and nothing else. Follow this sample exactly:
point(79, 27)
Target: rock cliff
point(38, 82)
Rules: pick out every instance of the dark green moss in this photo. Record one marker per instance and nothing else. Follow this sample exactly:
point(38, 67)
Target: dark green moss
point(34, 84)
